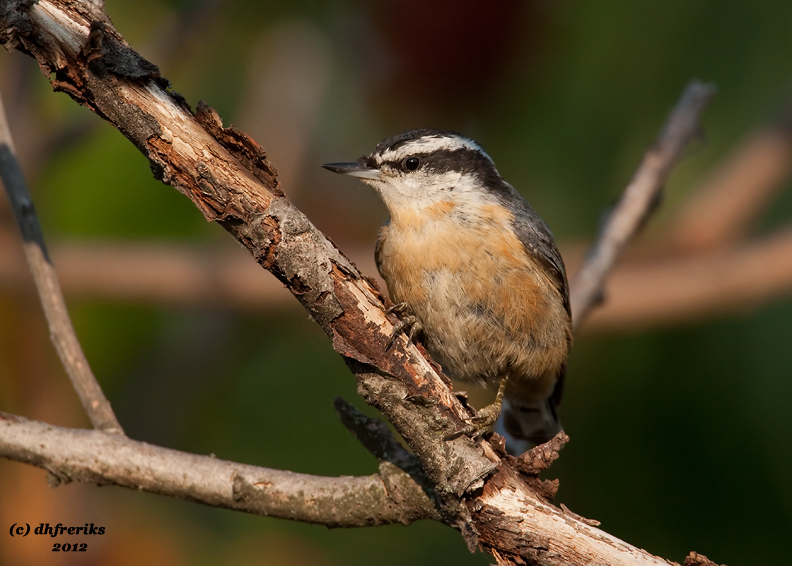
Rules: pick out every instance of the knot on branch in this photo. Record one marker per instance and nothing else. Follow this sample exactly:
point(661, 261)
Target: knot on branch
point(539, 458)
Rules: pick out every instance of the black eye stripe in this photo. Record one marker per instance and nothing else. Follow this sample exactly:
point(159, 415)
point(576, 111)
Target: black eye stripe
point(462, 160)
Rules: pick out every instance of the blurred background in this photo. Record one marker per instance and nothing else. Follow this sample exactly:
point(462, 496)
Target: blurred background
point(678, 392)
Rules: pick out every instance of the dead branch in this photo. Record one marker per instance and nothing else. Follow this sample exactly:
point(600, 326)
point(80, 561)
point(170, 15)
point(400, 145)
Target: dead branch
point(94, 457)
point(62, 333)
point(229, 179)
point(227, 176)
point(636, 202)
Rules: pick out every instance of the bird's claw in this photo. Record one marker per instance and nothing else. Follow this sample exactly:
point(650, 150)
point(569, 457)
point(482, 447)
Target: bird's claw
point(397, 308)
point(484, 418)
point(479, 424)
point(410, 323)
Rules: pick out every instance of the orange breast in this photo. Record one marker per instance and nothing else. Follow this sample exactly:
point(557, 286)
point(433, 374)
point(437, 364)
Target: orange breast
point(487, 308)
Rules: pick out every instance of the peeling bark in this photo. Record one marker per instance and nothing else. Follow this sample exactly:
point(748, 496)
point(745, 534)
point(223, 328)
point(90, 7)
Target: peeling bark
point(227, 176)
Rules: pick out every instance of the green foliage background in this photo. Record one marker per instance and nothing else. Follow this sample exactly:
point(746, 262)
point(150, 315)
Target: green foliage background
point(680, 436)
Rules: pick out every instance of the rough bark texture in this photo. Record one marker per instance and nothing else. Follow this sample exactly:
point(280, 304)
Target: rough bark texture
point(104, 459)
point(227, 176)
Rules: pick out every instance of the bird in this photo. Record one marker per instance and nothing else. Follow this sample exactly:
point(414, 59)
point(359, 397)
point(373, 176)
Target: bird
point(474, 273)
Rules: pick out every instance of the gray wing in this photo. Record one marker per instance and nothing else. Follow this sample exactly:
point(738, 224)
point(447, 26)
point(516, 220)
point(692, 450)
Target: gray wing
point(537, 239)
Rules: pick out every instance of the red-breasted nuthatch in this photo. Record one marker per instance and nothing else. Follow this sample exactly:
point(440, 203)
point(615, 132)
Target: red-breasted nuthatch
point(476, 272)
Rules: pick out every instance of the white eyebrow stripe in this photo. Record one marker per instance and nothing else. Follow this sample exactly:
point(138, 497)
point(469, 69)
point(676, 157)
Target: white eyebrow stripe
point(427, 145)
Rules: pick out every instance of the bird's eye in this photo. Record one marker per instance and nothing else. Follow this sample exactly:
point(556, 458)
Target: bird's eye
point(412, 163)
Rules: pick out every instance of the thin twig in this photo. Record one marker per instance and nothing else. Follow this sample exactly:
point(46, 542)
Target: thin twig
point(92, 457)
point(62, 333)
point(693, 287)
point(636, 203)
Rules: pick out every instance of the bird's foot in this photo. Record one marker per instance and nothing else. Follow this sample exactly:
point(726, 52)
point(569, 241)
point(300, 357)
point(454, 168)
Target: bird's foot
point(478, 425)
point(407, 322)
point(484, 419)
point(398, 308)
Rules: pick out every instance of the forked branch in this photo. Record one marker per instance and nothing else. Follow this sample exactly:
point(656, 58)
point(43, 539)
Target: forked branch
point(227, 176)
point(638, 199)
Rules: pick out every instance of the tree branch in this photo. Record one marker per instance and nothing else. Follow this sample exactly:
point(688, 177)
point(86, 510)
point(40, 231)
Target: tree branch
point(94, 457)
point(645, 290)
point(637, 201)
point(696, 286)
point(227, 176)
point(62, 333)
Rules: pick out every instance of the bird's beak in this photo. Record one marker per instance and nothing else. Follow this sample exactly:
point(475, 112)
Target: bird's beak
point(355, 169)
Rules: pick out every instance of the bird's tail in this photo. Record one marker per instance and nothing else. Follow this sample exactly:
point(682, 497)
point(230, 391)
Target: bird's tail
point(528, 424)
